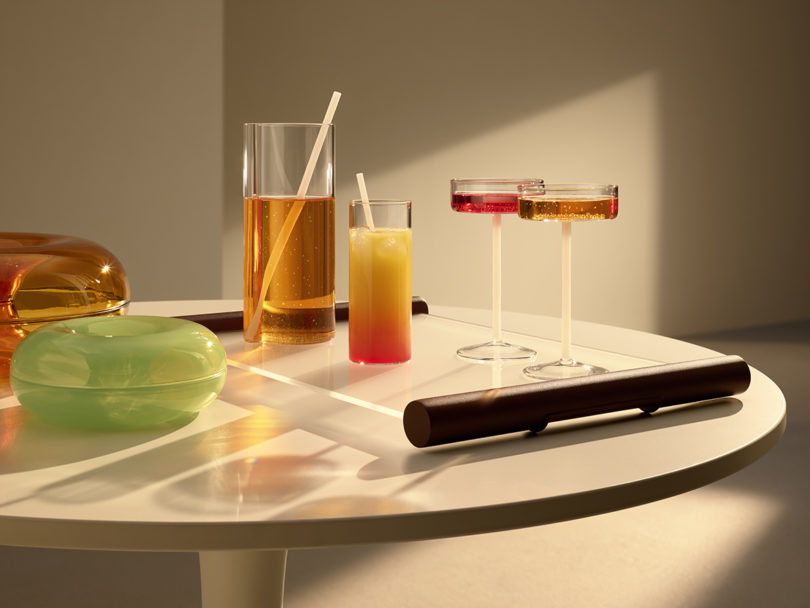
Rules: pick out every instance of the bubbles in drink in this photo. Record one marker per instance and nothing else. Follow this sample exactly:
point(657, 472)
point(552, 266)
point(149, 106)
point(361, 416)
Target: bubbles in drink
point(484, 202)
point(567, 208)
point(299, 307)
point(379, 295)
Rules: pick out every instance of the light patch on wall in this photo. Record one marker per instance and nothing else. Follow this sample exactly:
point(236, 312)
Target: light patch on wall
point(607, 135)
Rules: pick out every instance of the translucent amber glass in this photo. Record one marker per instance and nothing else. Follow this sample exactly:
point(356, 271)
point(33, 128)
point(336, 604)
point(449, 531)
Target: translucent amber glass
point(118, 372)
point(48, 277)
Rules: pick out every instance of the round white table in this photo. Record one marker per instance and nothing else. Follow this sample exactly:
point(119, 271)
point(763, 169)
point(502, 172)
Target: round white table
point(305, 449)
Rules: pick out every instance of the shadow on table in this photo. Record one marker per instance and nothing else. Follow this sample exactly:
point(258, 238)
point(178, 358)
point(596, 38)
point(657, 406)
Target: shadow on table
point(134, 472)
point(251, 483)
point(28, 444)
point(211, 447)
point(559, 435)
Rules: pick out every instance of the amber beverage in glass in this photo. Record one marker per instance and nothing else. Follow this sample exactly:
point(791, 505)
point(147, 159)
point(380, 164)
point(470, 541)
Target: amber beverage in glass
point(380, 281)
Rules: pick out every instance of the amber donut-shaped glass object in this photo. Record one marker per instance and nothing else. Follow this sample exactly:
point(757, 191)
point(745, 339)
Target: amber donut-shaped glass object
point(52, 277)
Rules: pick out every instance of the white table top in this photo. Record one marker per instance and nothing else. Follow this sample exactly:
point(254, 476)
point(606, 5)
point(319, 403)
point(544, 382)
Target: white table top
point(305, 449)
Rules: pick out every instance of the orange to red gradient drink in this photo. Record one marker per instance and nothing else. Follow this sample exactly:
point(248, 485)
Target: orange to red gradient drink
point(379, 292)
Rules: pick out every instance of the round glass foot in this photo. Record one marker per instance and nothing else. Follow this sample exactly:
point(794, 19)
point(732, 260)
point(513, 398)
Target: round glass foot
point(562, 369)
point(495, 351)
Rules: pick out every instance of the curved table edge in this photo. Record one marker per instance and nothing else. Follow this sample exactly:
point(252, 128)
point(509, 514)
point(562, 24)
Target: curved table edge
point(305, 534)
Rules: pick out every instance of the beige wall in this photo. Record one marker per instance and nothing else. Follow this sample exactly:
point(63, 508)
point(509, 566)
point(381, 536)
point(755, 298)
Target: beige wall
point(698, 110)
point(111, 123)
point(122, 122)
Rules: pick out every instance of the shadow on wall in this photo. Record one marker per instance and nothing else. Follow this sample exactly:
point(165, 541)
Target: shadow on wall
point(424, 76)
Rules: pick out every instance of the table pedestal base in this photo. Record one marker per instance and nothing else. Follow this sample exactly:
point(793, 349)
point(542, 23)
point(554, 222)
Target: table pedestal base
point(242, 579)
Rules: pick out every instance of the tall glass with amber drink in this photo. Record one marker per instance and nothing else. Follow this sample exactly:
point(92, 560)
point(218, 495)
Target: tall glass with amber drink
point(289, 263)
point(566, 204)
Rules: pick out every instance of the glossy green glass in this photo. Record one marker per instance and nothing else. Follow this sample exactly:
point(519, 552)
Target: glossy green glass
point(118, 372)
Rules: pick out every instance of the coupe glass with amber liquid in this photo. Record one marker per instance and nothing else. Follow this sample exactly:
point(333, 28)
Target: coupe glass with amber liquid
point(566, 204)
point(494, 196)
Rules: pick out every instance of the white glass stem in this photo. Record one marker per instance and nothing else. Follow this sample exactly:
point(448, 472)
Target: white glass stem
point(497, 322)
point(565, 314)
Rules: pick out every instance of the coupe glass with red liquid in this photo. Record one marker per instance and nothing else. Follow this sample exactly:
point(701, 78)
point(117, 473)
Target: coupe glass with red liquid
point(567, 204)
point(495, 196)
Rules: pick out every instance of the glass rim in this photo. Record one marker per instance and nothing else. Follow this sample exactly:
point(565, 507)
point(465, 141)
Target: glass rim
point(381, 201)
point(579, 191)
point(287, 124)
point(579, 187)
point(496, 180)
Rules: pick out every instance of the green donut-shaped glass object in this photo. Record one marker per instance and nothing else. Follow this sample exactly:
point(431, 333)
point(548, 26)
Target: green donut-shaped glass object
point(118, 372)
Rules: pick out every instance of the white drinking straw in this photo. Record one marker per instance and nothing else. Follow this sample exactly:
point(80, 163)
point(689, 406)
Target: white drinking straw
point(361, 183)
point(292, 216)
